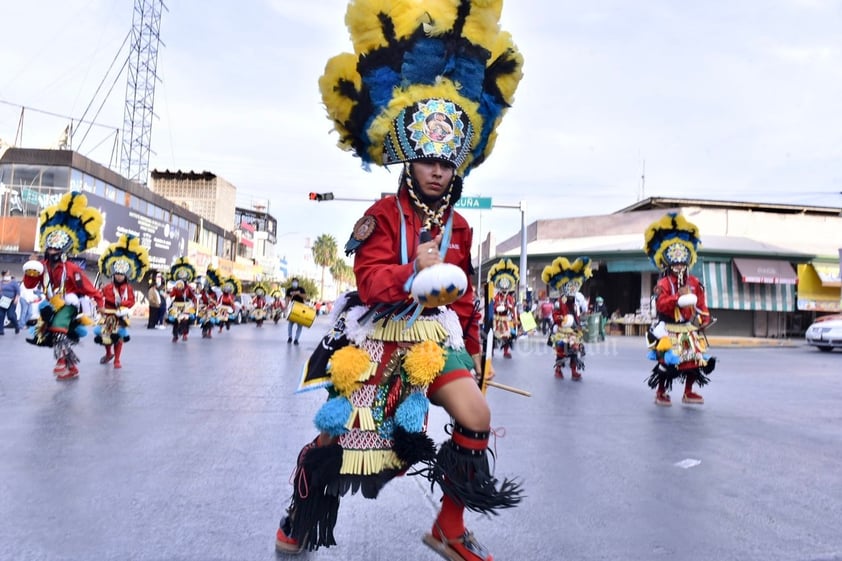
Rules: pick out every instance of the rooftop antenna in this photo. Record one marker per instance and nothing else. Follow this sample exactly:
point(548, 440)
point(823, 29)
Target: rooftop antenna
point(140, 89)
point(642, 194)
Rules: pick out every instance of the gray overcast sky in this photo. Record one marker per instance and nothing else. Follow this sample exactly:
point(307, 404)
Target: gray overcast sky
point(736, 99)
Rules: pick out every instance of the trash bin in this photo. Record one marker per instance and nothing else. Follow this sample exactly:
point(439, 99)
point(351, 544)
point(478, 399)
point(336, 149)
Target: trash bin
point(592, 327)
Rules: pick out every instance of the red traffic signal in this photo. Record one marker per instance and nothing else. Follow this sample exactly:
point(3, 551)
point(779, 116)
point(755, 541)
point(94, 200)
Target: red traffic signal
point(321, 196)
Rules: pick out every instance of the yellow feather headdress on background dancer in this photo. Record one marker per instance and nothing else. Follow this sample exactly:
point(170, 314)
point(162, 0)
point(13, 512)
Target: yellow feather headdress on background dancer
point(125, 256)
point(565, 276)
point(427, 79)
point(504, 275)
point(670, 240)
point(232, 285)
point(182, 270)
point(70, 225)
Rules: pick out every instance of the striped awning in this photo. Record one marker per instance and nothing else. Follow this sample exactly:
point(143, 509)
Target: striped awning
point(725, 290)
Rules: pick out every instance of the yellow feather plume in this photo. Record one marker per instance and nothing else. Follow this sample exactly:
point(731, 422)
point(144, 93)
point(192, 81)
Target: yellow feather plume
point(481, 25)
point(423, 362)
point(341, 68)
point(440, 16)
point(363, 19)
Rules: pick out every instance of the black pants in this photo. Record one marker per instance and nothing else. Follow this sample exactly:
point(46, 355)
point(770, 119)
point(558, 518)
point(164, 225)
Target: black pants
point(153, 317)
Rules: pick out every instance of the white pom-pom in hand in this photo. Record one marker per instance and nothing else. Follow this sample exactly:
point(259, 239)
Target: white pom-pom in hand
point(439, 285)
point(687, 300)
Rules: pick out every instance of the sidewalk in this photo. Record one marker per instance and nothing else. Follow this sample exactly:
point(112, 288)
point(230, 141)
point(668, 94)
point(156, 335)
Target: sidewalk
point(726, 341)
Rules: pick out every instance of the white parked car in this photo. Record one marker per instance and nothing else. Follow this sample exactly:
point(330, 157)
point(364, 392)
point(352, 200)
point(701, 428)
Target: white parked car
point(826, 332)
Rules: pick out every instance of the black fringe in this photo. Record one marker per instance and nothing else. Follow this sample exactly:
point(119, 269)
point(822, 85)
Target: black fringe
point(413, 447)
point(698, 375)
point(663, 373)
point(466, 478)
point(313, 516)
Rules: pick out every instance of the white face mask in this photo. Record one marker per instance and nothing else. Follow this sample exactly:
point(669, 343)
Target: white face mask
point(7, 279)
point(295, 285)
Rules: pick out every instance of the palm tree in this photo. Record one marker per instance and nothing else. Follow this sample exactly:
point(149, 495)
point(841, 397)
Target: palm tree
point(324, 255)
point(342, 273)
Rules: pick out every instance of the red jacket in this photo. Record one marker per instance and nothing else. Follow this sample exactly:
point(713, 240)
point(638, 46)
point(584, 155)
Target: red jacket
point(381, 277)
point(75, 281)
point(208, 298)
point(110, 292)
point(666, 301)
point(184, 295)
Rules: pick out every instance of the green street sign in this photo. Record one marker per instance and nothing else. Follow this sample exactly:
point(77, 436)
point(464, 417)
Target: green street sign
point(476, 203)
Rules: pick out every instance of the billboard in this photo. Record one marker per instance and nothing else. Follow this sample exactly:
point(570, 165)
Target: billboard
point(164, 241)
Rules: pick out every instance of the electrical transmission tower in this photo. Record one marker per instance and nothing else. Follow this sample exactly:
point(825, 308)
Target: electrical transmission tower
point(140, 89)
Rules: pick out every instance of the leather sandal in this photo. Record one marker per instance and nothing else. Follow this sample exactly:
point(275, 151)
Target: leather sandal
point(466, 541)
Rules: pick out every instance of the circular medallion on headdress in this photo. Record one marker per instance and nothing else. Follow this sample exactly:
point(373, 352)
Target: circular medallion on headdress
point(70, 225)
point(182, 270)
point(677, 253)
point(504, 275)
point(671, 239)
point(567, 277)
point(57, 239)
point(125, 257)
point(232, 285)
point(260, 289)
point(431, 129)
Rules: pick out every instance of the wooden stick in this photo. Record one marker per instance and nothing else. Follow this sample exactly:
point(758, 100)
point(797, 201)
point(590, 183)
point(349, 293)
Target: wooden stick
point(512, 389)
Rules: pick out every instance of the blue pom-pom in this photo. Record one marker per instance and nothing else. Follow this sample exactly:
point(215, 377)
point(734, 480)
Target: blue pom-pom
point(81, 331)
point(43, 304)
point(333, 415)
point(123, 333)
point(412, 412)
point(652, 355)
point(671, 358)
point(98, 330)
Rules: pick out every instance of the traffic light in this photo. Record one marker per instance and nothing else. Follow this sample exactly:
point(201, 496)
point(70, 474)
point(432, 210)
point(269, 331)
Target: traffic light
point(321, 196)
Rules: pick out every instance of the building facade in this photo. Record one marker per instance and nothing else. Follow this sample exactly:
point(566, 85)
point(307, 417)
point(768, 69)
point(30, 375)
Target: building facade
point(768, 269)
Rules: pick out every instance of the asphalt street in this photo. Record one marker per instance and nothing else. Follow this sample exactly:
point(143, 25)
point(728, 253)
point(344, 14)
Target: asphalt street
point(186, 454)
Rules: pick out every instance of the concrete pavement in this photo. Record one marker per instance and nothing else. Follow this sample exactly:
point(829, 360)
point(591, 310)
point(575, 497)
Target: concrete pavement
point(186, 453)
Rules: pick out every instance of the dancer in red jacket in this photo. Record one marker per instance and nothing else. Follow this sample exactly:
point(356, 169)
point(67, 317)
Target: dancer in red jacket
point(124, 261)
point(677, 338)
point(567, 336)
point(425, 90)
point(67, 227)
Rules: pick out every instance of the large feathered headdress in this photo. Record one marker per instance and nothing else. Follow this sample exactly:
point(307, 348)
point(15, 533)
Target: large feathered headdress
point(427, 79)
point(565, 276)
point(214, 279)
point(260, 289)
point(232, 285)
point(70, 225)
point(504, 275)
point(125, 256)
point(671, 240)
point(182, 270)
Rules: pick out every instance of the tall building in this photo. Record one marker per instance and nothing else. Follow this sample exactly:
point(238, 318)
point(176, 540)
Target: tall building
point(203, 193)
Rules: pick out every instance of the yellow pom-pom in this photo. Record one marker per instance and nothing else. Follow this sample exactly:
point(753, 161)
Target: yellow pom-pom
point(347, 366)
point(423, 362)
point(57, 302)
point(85, 320)
point(664, 344)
